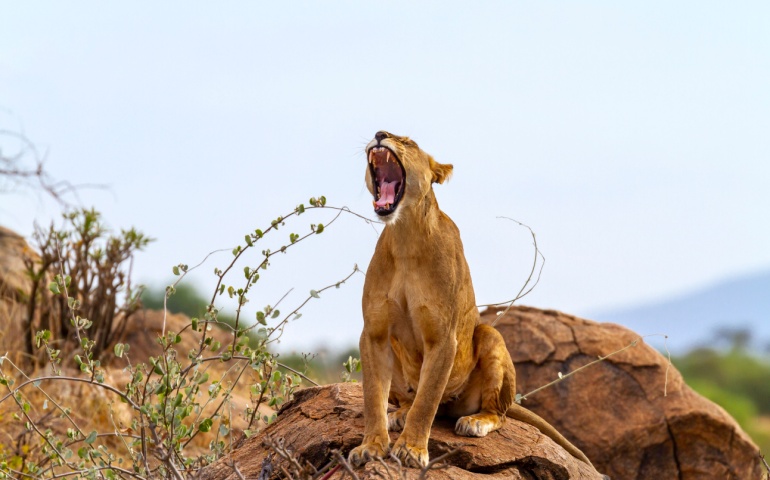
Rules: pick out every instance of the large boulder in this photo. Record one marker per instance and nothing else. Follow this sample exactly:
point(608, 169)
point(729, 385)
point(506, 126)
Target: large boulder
point(320, 420)
point(631, 414)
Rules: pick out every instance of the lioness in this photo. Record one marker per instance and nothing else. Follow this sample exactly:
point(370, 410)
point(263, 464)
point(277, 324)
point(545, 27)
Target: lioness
point(422, 345)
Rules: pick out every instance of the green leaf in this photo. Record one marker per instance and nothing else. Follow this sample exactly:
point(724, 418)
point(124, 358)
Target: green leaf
point(175, 270)
point(203, 378)
point(319, 228)
point(54, 287)
point(275, 314)
point(119, 348)
point(205, 425)
point(261, 318)
point(314, 294)
point(248, 240)
point(91, 437)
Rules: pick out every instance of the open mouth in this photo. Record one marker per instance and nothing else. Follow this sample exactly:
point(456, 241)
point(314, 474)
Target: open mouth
point(388, 178)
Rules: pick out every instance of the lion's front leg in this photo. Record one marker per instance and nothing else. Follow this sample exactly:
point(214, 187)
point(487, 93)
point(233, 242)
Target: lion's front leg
point(375, 359)
point(412, 446)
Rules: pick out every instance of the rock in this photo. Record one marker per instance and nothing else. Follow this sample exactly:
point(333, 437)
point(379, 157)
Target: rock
point(14, 282)
point(15, 288)
point(632, 415)
point(320, 420)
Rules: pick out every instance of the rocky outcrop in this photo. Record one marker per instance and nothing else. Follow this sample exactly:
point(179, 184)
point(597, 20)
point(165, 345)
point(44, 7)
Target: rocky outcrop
point(14, 282)
point(320, 420)
point(15, 287)
point(631, 414)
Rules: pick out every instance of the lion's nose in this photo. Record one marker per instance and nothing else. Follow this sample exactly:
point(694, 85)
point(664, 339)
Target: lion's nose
point(380, 136)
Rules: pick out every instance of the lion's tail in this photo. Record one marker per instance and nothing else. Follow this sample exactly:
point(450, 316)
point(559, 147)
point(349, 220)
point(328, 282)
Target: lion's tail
point(517, 412)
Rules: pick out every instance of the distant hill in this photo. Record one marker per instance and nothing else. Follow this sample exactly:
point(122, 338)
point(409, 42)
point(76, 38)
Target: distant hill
point(693, 319)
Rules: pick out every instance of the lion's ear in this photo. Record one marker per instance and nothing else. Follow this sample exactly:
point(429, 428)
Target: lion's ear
point(441, 171)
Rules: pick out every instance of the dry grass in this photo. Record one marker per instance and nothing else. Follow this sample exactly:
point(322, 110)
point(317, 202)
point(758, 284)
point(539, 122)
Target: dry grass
point(93, 408)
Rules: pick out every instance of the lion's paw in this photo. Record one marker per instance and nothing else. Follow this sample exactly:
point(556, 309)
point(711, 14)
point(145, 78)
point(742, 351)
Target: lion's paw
point(478, 425)
point(397, 419)
point(410, 455)
point(365, 452)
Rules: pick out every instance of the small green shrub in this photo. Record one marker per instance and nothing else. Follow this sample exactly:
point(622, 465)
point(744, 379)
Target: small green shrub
point(173, 400)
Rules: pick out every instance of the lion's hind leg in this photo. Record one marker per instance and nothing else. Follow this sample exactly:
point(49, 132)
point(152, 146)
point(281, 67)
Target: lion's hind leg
point(493, 384)
point(397, 419)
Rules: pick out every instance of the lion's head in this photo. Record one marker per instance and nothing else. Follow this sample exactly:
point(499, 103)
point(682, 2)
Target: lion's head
point(399, 173)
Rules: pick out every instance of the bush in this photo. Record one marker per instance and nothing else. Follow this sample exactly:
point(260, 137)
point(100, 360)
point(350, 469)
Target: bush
point(81, 279)
point(174, 412)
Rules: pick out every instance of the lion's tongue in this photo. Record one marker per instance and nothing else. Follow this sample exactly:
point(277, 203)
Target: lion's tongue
point(387, 194)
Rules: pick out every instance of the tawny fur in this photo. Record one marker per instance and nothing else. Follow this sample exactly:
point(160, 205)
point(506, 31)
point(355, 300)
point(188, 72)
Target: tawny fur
point(422, 346)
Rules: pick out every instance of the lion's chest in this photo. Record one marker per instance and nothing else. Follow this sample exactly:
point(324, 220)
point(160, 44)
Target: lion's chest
point(417, 318)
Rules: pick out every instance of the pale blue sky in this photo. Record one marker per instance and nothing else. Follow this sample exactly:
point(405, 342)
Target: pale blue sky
point(631, 136)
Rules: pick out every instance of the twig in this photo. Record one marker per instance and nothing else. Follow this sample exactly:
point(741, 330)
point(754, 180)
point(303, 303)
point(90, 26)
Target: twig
point(523, 292)
point(74, 379)
point(385, 465)
point(235, 469)
point(767, 467)
point(331, 472)
point(282, 323)
point(184, 273)
point(520, 398)
point(434, 463)
point(345, 464)
point(308, 379)
point(11, 168)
